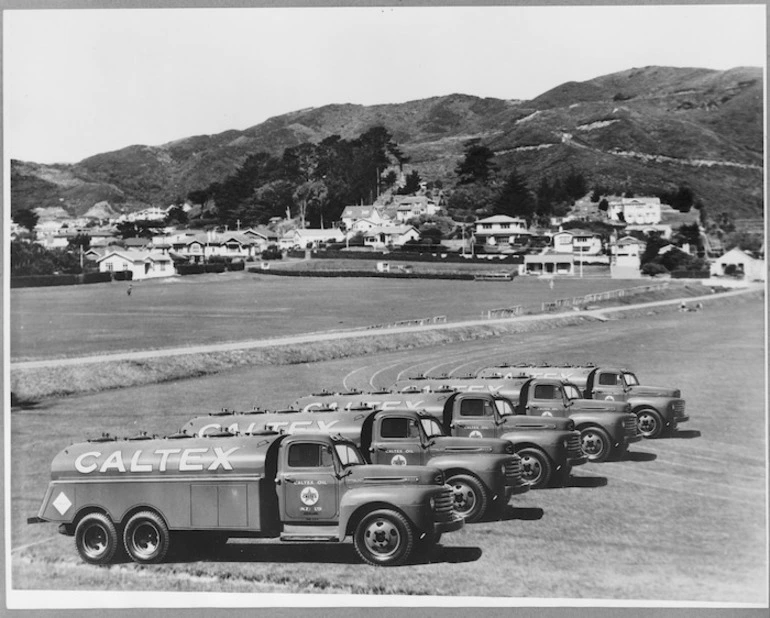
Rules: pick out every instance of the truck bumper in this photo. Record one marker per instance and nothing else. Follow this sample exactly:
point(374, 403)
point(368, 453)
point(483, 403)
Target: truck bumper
point(448, 526)
point(681, 419)
point(515, 490)
point(632, 439)
point(36, 520)
point(577, 461)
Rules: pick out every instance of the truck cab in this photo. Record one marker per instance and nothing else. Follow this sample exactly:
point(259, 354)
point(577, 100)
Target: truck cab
point(114, 495)
point(483, 474)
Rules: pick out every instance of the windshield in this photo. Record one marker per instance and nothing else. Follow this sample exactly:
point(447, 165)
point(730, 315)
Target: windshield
point(572, 392)
point(631, 379)
point(431, 427)
point(504, 407)
point(348, 454)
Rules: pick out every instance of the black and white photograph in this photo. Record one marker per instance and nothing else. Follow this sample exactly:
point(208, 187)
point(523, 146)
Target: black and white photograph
point(386, 306)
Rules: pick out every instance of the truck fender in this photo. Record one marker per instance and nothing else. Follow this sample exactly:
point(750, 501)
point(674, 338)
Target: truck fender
point(409, 500)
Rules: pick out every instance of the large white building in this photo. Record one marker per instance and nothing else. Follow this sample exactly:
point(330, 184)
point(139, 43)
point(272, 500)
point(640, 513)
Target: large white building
point(501, 231)
point(635, 210)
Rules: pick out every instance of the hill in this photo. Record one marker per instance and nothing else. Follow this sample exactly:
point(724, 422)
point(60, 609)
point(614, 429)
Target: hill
point(645, 129)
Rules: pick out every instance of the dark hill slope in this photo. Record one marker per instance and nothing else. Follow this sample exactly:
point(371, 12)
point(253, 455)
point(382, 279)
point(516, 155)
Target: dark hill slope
point(649, 129)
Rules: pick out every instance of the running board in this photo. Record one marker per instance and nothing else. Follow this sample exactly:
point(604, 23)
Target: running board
point(310, 533)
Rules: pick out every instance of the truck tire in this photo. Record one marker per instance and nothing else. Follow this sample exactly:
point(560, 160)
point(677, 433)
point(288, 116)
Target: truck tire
point(96, 539)
point(596, 444)
point(535, 467)
point(146, 537)
point(470, 497)
point(384, 538)
point(650, 423)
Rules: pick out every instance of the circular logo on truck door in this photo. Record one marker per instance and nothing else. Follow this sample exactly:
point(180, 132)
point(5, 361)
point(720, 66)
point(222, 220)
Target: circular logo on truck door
point(609, 398)
point(309, 496)
point(475, 434)
point(398, 460)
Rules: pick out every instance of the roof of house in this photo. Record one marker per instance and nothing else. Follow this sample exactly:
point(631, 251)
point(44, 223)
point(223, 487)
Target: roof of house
point(135, 256)
point(391, 229)
point(502, 219)
point(630, 240)
point(415, 199)
point(319, 234)
point(359, 212)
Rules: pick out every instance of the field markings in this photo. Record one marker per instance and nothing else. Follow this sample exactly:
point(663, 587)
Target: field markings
point(40, 542)
point(350, 375)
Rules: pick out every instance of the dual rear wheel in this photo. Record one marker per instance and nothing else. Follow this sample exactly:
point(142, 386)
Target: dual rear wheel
point(146, 538)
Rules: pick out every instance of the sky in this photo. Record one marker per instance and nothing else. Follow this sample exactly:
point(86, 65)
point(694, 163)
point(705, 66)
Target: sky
point(82, 82)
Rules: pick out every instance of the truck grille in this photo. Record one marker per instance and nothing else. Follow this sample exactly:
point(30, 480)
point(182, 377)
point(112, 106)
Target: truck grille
point(445, 504)
point(573, 446)
point(513, 470)
point(631, 426)
point(679, 408)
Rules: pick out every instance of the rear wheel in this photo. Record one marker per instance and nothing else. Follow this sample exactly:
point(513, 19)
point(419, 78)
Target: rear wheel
point(470, 497)
point(146, 537)
point(96, 539)
point(535, 467)
point(384, 538)
point(650, 424)
point(595, 443)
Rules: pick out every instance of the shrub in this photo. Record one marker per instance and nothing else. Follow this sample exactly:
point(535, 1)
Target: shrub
point(653, 268)
point(214, 268)
point(273, 253)
point(190, 269)
point(100, 277)
point(236, 266)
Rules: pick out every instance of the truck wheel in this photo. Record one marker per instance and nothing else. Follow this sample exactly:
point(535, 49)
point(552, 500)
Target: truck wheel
point(470, 497)
point(535, 467)
point(96, 539)
point(650, 424)
point(146, 538)
point(384, 538)
point(595, 443)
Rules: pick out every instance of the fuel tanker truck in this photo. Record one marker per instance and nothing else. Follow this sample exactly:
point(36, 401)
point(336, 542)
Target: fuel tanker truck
point(548, 447)
point(483, 474)
point(659, 409)
point(606, 427)
point(142, 495)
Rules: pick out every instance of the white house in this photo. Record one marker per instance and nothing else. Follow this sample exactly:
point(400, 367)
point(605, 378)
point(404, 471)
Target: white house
point(548, 264)
point(501, 230)
point(626, 258)
point(313, 237)
point(752, 268)
point(143, 264)
point(635, 210)
point(414, 206)
point(582, 242)
point(390, 236)
point(361, 226)
point(351, 214)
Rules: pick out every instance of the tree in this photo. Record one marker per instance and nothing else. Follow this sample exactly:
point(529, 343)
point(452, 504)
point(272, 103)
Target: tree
point(176, 214)
point(604, 205)
point(80, 241)
point(468, 200)
point(477, 165)
point(575, 185)
point(412, 184)
point(655, 242)
point(26, 217)
point(682, 199)
point(515, 198)
point(308, 195)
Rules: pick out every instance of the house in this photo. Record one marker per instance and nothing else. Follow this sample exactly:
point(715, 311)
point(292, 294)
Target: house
point(309, 238)
point(361, 226)
point(414, 206)
point(143, 264)
point(382, 237)
point(548, 264)
point(626, 258)
point(582, 242)
point(502, 231)
point(351, 214)
point(738, 261)
point(635, 210)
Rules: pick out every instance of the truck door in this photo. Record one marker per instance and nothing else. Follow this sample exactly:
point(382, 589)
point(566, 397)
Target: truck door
point(609, 385)
point(309, 487)
point(474, 417)
point(397, 442)
point(546, 400)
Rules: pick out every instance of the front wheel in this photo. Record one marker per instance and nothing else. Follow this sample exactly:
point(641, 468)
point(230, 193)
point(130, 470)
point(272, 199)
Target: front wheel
point(384, 538)
point(595, 443)
point(470, 497)
point(96, 539)
point(650, 424)
point(535, 467)
point(146, 538)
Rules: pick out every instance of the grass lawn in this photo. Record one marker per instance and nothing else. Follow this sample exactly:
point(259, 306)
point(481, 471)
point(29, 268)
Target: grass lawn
point(57, 322)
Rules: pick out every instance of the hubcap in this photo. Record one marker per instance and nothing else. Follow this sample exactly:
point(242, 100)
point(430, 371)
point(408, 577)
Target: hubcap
point(381, 537)
point(145, 539)
point(95, 540)
point(465, 498)
point(531, 468)
point(647, 424)
point(592, 443)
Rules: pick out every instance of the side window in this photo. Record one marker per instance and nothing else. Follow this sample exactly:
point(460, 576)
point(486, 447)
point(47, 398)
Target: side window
point(475, 407)
point(547, 391)
point(609, 379)
point(309, 455)
point(398, 428)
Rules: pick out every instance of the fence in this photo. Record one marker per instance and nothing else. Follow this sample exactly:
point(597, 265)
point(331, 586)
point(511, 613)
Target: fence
point(505, 312)
point(439, 319)
point(577, 301)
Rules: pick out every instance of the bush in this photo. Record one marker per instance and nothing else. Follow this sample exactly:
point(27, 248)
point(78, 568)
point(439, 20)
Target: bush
point(123, 275)
point(236, 266)
point(99, 277)
point(274, 253)
point(190, 269)
point(214, 268)
point(362, 273)
point(653, 268)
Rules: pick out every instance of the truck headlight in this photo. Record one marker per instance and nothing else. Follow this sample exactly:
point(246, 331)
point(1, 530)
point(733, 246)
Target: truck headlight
point(432, 503)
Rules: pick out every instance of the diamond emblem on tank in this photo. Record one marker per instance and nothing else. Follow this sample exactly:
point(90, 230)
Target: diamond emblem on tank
point(62, 503)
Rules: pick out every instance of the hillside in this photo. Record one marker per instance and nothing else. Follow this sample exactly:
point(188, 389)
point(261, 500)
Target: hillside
point(645, 129)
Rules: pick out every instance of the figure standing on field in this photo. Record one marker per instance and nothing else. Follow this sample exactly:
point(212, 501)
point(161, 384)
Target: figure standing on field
point(550, 284)
point(128, 291)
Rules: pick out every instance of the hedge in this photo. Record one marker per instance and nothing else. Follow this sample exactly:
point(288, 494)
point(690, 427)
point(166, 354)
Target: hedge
point(362, 273)
point(690, 274)
point(411, 256)
point(39, 281)
point(123, 275)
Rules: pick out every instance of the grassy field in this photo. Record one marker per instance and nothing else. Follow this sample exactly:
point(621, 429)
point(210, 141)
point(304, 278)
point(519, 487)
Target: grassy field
point(100, 318)
point(679, 519)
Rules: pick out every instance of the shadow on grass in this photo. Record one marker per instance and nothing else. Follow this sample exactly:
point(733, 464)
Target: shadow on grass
point(586, 481)
point(318, 553)
point(685, 434)
point(18, 403)
point(638, 456)
point(521, 513)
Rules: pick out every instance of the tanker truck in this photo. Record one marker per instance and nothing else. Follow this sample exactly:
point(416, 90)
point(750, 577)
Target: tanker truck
point(548, 448)
point(483, 474)
point(141, 496)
